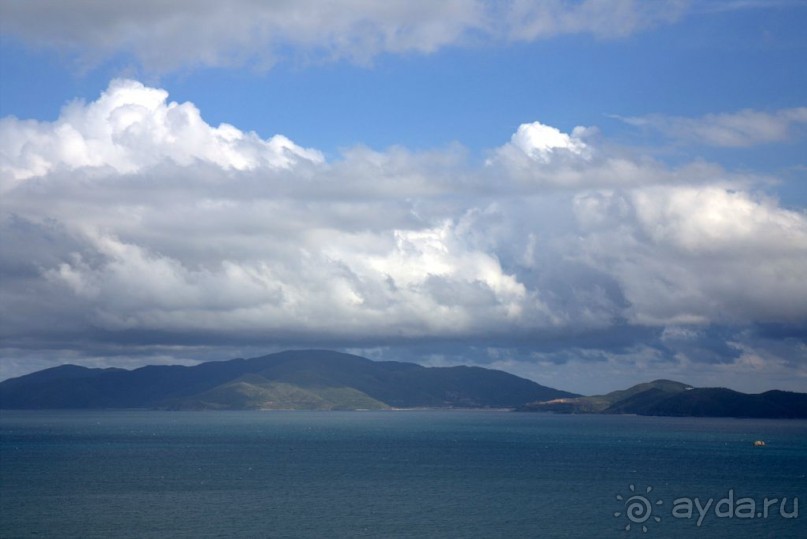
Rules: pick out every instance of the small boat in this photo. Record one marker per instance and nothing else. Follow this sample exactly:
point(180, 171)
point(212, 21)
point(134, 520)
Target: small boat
point(759, 443)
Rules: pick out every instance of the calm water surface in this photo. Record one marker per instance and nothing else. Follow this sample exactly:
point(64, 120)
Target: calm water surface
point(397, 474)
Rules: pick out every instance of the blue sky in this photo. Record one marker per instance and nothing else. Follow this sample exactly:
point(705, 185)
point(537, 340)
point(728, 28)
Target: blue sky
point(587, 193)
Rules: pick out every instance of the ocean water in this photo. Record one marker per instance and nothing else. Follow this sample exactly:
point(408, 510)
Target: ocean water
point(463, 474)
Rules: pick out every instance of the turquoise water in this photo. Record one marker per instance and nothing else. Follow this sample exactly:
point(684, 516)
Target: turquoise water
point(395, 474)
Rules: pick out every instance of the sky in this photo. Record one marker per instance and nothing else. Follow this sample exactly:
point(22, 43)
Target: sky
point(586, 193)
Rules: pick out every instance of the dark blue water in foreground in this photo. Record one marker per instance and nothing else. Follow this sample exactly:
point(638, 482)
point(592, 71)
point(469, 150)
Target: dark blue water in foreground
point(396, 474)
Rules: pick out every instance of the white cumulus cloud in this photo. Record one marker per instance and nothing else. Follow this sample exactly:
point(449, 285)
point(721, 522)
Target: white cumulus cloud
point(132, 127)
point(540, 142)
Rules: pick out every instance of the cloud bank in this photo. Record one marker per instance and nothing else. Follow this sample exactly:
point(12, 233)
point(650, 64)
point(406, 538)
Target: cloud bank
point(164, 36)
point(130, 222)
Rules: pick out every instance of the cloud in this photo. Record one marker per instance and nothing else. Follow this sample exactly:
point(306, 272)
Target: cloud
point(129, 223)
point(740, 129)
point(130, 128)
point(541, 142)
point(165, 36)
point(529, 20)
point(720, 6)
point(698, 254)
point(539, 155)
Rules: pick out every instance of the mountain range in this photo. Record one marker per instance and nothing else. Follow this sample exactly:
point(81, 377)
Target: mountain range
point(327, 380)
point(669, 398)
point(297, 379)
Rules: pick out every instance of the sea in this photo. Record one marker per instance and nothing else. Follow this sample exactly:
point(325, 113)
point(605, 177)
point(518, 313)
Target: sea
point(390, 474)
